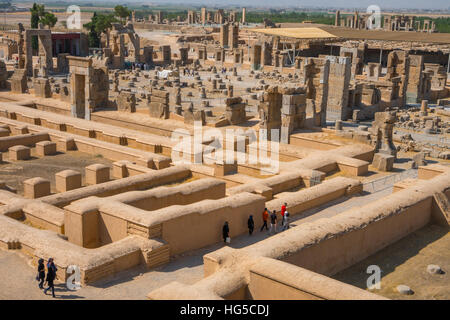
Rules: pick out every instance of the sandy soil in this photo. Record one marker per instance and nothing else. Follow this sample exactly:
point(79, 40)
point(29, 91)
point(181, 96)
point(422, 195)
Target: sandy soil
point(405, 262)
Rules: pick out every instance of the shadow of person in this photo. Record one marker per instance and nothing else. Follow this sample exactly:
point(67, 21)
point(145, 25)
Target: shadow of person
point(62, 288)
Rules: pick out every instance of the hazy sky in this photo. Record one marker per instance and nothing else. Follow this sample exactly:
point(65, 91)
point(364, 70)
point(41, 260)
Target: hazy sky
point(388, 4)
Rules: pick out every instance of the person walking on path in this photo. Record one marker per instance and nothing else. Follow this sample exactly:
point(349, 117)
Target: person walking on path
point(51, 276)
point(273, 222)
point(265, 217)
point(283, 209)
point(225, 231)
point(285, 220)
point(250, 224)
point(41, 273)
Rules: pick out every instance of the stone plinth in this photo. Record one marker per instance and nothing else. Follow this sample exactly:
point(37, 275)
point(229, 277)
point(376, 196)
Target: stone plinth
point(97, 173)
point(45, 148)
point(67, 180)
point(19, 153)
point(65, 144)
point(383, 162)
point(36, 188)
point(4, 132)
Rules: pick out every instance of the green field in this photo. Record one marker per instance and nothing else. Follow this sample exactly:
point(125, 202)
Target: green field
point(253, 16)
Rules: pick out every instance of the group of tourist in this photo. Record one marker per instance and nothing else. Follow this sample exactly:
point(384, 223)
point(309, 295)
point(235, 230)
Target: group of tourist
point(187, 72)
point(265, 217)
point(137, 66)
point(274, 219)
point(51, 275)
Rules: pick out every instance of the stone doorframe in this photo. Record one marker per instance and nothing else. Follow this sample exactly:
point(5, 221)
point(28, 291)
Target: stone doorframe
point(79, 66)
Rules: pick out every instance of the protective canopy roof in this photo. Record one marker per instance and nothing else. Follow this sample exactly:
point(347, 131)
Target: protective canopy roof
point(297, 33)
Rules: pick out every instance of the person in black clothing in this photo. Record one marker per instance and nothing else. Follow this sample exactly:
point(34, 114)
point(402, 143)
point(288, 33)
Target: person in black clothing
point(225, 231)
point(51, 276)
point(273, 222)
point(251, 224)
point(41, 273)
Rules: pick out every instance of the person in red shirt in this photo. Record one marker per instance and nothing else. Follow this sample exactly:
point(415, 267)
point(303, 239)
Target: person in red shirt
point(283, 209)
point(265, 217)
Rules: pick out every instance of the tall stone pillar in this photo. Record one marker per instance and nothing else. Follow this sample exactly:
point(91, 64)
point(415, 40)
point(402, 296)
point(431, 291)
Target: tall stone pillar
point(223, 39)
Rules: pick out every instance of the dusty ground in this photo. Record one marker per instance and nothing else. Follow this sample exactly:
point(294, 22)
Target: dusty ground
point(15, 172)
point(405, 262)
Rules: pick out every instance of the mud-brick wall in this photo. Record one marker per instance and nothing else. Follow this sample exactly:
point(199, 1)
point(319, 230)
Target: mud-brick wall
point(344, 250)
point(195, 230)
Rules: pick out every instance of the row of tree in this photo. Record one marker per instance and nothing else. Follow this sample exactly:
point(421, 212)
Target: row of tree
point(39, 15)
point(100, 23)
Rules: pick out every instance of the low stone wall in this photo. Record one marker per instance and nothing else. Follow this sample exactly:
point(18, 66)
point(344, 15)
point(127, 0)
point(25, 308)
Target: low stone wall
point(325, 246)
point(29, 139)
point(44, 216)
point(352, 160)
point(93, 263)
point(33, 211)
point(183, 194)
point(330, 245)
point(139, 182)
point(88, 129)
point(84, 142)
point(294, 283)
point(344, 248)
point(298, 140)
point(270, 186)
point(315, 196)
point(185, 227)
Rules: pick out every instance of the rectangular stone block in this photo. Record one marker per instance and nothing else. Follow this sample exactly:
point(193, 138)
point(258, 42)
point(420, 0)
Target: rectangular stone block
point(36, 188)
point(19, 130)
point(67, 180)
point(4, 132)
point(97, 173)
point(288, 109)
point(19, 153)
point(44, 148)
point(159, 110)
point(294, 99)
point(383, 162)
point(66, 144)
point(126, 102)
point(157, 99)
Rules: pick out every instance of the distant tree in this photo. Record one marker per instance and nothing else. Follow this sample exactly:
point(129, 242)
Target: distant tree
point(36, 12)
point(49, 19)
point(99, 24)
point(122, 12)
point(38, 15)
point(93, 38)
